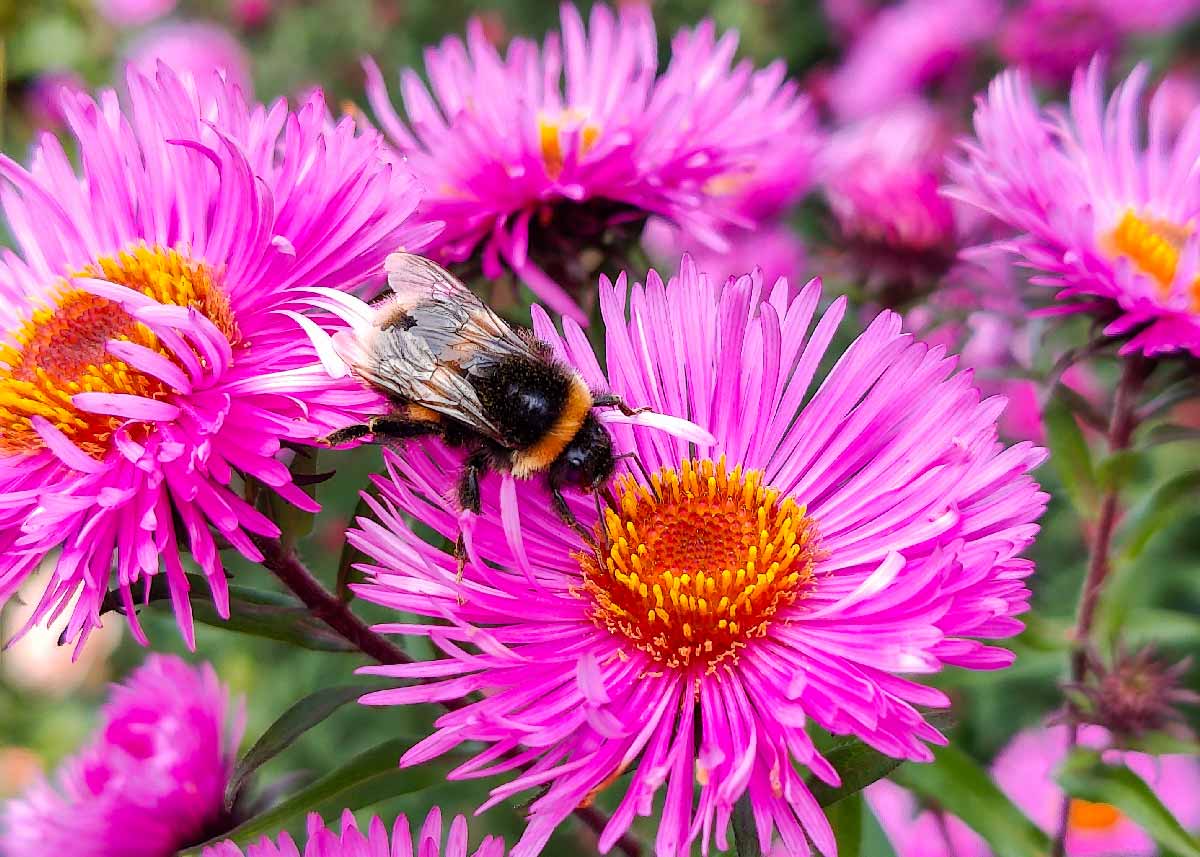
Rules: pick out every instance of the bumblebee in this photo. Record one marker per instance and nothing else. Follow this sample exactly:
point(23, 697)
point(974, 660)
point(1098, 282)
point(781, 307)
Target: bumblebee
point(451, 367)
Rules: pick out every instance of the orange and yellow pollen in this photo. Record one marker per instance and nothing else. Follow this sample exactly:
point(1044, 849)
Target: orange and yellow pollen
point(1092, 817)
point(60, 349)
point(550, 133)
point(1154, 247)
point(696, 564)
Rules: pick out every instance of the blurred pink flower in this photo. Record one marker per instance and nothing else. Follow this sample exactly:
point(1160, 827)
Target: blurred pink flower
point(250, 13)
point(133, 13)
point(194, 48)
point(882, 175)
point(1051, 38)
point(907, 47)
point(1025, 771)
point(1178, 97)
point(914, 831)
point(351, 842)
point(151, 781)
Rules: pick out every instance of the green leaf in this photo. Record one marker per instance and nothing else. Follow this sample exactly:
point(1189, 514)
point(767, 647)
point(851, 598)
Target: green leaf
point(745, 833)
point(1069, 454)
point(846, 818)
point(958, 784)
point(293, 723)
point(255, 612)
point(1163, 505)
point(859, 765)
point(1085, 775)
point(1118, 469)
point(366, 779)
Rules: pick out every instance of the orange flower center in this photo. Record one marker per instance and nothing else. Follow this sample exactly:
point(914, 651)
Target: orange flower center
point(61, 350)
point(1154, 247)
point(550, 135)
point(1085, 815)
point(698, 563)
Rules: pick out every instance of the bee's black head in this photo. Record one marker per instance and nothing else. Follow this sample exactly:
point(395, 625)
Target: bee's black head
point(587, 462)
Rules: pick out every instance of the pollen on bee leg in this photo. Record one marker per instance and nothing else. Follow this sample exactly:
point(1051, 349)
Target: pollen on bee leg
point(701, 566)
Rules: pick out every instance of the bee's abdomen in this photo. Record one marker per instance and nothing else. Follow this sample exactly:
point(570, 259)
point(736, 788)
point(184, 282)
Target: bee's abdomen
point(524, 398)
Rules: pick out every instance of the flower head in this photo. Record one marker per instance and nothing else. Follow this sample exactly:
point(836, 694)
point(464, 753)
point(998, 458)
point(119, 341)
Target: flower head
point(1025, 771)
point(323, 842)
point(882, 177)
point(531, 158)
point(904, 48)
point(800, 568)
point(1136, 694)
point(1108, 220)
point(150, 353)
point(916, 831)
point(152, 780)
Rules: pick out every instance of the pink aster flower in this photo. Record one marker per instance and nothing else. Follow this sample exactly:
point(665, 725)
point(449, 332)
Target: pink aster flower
point(881, 177)
point(807, 566)
point(151, 781)
point(914, 831)
point(905, 48)
point(149, 350)
point(1051, 38)
point(1025, 770)
point(194, 48)
point(1106, 219)
point(323, 842)
point(530, 157)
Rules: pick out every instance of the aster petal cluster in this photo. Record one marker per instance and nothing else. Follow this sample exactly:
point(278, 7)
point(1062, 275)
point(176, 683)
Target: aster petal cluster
point(527, 157)
point(151, 355)
point(351, 842)
point(1104, 217)
point(151, 781)
point(837, 541)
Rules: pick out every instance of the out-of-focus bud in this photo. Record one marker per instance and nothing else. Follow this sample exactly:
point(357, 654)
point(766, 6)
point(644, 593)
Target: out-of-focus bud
point(1134, 695)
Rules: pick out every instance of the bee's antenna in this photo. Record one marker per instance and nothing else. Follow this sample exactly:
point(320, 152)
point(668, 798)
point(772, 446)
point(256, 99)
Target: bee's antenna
point(603, 527)
point(637, 459)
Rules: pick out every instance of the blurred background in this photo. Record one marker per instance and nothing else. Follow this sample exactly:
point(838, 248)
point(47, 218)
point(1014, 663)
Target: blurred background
point(840, 53)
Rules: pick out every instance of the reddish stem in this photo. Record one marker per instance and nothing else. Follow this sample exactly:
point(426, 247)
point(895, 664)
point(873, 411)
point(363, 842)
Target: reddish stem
point(1120, 431)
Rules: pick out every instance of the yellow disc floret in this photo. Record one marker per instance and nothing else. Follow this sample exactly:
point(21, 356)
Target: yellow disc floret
point(696, 564)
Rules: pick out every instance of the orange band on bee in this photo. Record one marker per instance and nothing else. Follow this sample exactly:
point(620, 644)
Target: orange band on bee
point(541, 455)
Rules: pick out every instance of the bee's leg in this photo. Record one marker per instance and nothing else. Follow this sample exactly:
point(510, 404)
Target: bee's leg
point(346, 434)
point(388, 427)
point(612, 400)
point(568, 517)
point(469, 499)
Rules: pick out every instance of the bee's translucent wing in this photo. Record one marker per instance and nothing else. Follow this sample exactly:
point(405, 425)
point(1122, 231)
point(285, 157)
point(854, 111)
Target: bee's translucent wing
point(416, 281)
point(405, 366)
